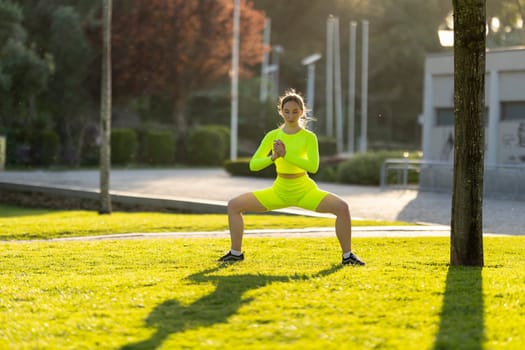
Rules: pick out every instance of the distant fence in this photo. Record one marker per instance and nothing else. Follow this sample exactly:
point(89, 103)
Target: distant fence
point(500, 180)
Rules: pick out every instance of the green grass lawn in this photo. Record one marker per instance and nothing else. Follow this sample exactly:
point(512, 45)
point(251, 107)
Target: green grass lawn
point(289, 293)
point(23, 223)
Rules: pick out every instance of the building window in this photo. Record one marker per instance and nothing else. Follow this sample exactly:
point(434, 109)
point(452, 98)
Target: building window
point(445, 116)
point(513, 110)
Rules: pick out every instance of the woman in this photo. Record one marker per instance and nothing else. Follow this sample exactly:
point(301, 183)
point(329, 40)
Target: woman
point(295, 152)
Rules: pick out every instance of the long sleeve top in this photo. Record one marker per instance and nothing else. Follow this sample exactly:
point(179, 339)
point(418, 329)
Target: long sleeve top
point(302, 152)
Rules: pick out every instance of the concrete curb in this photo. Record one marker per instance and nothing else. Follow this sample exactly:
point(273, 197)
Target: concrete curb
point(170, 203)
point(313, 232)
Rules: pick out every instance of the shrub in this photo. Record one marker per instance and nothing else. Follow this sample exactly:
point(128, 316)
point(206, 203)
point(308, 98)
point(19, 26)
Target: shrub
point(327, 146)
point(328, 168)
point(90, 155)
point(207, 146)
point(159, 147)
point(365, 168)
point(17, 147)
point(225, 133)
point(44, 147)
point(241, 167)
point(123, 146)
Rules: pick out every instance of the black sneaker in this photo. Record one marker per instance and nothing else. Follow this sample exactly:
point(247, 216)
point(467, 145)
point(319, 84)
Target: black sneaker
point(353, 260)
point(229, 257)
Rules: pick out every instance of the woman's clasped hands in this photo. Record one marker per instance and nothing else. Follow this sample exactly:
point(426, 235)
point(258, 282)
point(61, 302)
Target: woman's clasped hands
point(279, 149)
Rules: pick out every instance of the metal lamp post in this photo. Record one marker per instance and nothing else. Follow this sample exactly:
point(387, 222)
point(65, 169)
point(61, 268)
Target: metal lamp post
point(309, 62)
point(277, 51)
point(234, 117)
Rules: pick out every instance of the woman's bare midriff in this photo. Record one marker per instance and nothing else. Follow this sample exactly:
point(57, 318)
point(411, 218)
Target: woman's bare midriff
point(291, 176)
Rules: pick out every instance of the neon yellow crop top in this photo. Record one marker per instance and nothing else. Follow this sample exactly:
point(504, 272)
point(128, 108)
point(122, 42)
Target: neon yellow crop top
point(302, 152)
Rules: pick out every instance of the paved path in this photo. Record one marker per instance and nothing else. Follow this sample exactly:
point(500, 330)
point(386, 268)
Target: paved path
point(368, 231)
point(500, 216)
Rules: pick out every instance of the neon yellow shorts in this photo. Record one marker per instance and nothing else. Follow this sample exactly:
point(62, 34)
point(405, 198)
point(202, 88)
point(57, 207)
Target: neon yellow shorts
point(299, 192)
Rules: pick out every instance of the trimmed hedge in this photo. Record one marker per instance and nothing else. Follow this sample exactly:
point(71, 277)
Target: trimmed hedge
point(18, 151)
point(208, 146)
point(123, 146)
point(44, 147)
point(360, 169)
point(225, 133)
point(365, 168)
point(159, 147)
point(241, 167)
point(327, 146)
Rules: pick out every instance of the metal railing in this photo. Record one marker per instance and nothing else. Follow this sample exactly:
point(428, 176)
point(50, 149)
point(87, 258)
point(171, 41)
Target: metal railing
point(499, 179)
point(402, 166)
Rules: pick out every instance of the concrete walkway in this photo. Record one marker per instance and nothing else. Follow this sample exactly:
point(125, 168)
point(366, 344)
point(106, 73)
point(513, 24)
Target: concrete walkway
point(368, 232)
point(500, 216)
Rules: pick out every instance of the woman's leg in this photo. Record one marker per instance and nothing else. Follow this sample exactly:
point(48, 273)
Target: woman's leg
point(343, 225)
point(236, 207)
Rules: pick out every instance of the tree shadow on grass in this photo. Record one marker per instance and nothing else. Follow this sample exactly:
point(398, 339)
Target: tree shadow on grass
point(462, 320)
point(171, 317)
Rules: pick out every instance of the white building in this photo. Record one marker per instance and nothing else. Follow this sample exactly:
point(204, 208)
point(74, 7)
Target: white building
point(504, 121)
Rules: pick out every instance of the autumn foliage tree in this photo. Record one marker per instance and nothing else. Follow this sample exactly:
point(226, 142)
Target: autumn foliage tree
point(174, 47)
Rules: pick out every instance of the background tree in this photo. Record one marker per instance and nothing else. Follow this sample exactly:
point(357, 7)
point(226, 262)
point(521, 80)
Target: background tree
point(56, 29)
point(72, 56)
point(175, 47)
point(168, 50)
point(23, 73)
point(469, 133)
point(402, 32)
point(505, 23)
point(11, 22)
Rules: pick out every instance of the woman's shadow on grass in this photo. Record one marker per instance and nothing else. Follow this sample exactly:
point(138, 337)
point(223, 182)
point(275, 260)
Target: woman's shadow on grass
point(171, 317)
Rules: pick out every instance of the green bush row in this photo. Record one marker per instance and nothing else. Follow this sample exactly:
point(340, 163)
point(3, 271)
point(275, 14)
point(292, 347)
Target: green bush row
point(154, 147)
point(158, 147)
point(327, 146)
point(364, 168)
point(209, 145)
point(44, 147)
point(241, 167)
point(123, 146)
point(206, 145)
point(32, 146)
point(359, 169)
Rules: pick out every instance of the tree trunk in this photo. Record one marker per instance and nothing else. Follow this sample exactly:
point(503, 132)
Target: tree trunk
point(105, 110)
point(466, 247)
point(80, 142)
point(67, 152)
point(181, 129)
point(32, 109)
point(179, 116)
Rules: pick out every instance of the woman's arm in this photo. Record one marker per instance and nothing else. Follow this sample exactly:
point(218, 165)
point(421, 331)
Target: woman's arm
point(311, 163)
point(262, 158)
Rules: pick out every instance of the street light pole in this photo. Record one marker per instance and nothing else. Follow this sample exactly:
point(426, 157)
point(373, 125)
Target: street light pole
point(364, 90)
point(263, 95)
point(338, 88)
point(351, 88)
point(329, 76)
point(234, 117)
point(309, 61)
point(277, 50)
